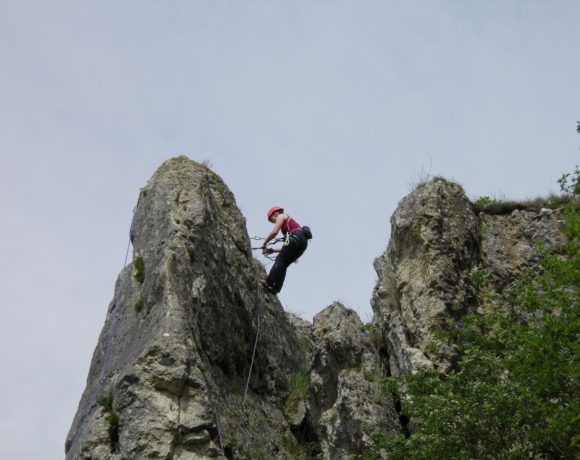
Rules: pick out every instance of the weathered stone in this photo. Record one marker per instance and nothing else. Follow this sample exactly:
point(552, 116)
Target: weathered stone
point(176, 348)
point(511, 243)
point(178, 363)
point(346, 400)
point(424, 273)
point(304, 331)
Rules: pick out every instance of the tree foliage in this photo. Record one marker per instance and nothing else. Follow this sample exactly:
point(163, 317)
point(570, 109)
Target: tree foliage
point(516, 390)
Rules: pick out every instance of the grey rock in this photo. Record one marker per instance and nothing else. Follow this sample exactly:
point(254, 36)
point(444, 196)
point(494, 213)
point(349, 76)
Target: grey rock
point(424, 274)
point(511, 243)
point(176, 348)
point(346, 401)
point(304, 331)
point(296, 409)
point(177, 344)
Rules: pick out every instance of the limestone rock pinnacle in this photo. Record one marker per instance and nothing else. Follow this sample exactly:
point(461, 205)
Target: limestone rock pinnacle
point(175, 351)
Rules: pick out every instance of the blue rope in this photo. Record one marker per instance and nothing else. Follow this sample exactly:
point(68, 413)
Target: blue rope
point(101, 379)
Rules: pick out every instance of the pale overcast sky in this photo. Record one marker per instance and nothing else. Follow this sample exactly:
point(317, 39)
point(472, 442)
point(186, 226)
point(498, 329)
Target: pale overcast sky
point(332, 109)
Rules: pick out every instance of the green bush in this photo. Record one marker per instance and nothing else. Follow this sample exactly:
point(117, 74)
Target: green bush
point(514, 393)
point(483, 201)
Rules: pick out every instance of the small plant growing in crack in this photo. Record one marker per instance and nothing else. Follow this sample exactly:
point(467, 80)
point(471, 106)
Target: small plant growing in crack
point(112, 418)
point(139, 305)
point(139, 269)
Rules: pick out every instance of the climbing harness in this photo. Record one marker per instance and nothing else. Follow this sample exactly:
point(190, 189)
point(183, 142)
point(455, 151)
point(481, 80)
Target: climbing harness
point(290, 236)
point(100, 381)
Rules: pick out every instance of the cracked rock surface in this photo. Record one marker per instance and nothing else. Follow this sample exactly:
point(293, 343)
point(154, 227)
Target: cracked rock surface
point(176, 346)
point(424, 280)
point(169, 372)
point(346, 400)
point(424, 273)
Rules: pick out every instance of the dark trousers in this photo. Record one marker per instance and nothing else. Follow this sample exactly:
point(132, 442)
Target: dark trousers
point(290, 252)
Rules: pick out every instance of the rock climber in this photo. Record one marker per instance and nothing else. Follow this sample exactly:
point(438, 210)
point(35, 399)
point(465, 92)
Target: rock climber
point(295, 244)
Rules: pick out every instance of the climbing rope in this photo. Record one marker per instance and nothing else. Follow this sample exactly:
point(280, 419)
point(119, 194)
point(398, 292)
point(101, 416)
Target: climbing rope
point(258, 309)
point(270, 243)
point(259, 314)
point(100, 380)
point(274, 241)
point(217, 423)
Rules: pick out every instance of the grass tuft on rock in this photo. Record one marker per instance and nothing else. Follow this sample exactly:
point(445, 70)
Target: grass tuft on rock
point(139, 269)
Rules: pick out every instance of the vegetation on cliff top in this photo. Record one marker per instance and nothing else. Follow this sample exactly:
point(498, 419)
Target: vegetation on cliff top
point(514, 393)
point(494, 206)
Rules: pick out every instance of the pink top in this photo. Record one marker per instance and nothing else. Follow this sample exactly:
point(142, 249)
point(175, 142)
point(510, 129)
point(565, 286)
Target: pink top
point(289, 225)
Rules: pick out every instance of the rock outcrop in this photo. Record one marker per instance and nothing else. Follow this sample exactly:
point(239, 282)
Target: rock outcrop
point(176, 347)
point(176, 374)
point(425, 275)
point(347, 401)
point(510, 243)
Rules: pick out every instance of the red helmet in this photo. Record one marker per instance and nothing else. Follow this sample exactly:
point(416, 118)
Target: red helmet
point(273, 209)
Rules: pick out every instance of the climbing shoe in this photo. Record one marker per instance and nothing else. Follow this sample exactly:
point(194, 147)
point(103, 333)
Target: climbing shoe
point(267, 287)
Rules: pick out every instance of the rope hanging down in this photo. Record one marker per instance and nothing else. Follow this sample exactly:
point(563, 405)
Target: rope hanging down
point(259, 313)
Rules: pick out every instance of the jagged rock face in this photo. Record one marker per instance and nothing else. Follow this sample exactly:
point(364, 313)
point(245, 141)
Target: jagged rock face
point(424, 273)
point(510, 243)
point(346, 401)
point(177, 343)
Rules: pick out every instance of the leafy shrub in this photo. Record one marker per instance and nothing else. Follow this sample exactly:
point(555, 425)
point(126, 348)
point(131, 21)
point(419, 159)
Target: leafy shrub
point(479, 276)
point(483, 201)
